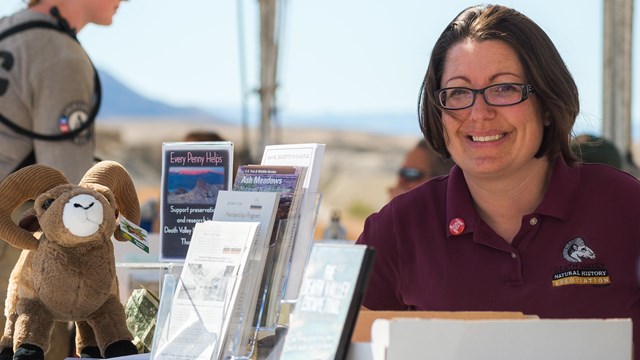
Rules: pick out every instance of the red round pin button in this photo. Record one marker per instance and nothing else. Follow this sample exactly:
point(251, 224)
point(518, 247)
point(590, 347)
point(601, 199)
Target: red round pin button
point(456, 226)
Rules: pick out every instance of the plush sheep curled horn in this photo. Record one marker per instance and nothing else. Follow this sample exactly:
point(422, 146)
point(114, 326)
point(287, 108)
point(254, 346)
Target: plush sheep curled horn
point(66, 271)
point(32, 181)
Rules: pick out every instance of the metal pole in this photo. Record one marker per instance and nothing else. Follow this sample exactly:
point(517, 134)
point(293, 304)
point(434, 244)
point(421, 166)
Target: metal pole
point(268, 66)
point(245, 152)
point(618, 15)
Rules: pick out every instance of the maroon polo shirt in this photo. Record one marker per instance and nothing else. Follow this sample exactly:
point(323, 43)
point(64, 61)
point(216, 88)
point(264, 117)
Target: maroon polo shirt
point(575, 256)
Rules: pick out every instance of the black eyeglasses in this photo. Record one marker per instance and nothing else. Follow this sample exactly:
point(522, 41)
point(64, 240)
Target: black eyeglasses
point(411, 174)
point(505, 94)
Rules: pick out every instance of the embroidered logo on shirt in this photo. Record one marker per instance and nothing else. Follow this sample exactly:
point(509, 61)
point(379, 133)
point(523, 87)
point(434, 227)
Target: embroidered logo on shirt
point(576, 250)
point(580, 271)
point(594, 276)
point(73, 116)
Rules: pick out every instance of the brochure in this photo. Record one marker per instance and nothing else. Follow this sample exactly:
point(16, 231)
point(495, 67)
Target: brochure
point(331, 294)
point(259, 207)
point(192, 175)
point(200, 315)
point(287, 180)
point(309, 155)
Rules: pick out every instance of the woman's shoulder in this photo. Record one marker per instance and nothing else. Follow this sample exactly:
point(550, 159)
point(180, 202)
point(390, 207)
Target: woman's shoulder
point(598, 172)
point(430, 195)
point(600, 177)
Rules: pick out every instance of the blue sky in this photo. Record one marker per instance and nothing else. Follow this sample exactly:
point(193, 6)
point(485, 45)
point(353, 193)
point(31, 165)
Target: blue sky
point(337, 57)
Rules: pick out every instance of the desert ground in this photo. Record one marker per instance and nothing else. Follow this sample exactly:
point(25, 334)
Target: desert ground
point(358, 167)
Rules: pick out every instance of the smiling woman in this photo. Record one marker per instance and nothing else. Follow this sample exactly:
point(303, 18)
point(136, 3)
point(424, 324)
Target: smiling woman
point(500, 231)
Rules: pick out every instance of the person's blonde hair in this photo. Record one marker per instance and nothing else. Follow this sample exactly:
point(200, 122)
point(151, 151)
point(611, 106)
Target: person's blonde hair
point(33, 2)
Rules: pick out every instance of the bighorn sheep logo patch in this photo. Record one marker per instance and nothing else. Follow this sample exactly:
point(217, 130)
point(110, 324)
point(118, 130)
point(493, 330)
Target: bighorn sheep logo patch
point(576, 250)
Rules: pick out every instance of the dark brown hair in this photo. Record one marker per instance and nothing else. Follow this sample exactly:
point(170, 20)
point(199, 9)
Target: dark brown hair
point(555, 88)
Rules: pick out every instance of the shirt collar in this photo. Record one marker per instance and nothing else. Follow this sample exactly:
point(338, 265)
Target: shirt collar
point(557, 200)
point(561, 190)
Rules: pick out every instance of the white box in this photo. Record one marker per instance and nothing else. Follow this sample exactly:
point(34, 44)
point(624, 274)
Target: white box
point(523, 339)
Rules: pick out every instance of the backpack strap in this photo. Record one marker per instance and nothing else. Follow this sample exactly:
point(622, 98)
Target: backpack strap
point(64, 28)
point(97, 88)
point(30, 25)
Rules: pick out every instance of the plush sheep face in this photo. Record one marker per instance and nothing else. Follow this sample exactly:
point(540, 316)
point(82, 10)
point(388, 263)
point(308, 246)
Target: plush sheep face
point(72, 215)
point(82, 215)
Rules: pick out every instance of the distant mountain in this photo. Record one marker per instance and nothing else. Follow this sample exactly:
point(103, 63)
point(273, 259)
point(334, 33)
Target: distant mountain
point(118, 100)
point(396, 123)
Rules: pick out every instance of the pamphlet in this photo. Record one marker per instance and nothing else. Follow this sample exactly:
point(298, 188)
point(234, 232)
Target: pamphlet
point(287, 180)
point(248, 206)
point(309, 155)
point(331, 294)
point(207, 289)
point(192, 175)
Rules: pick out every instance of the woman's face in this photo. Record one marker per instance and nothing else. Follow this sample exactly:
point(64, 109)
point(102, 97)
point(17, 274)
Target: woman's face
point(487, 140)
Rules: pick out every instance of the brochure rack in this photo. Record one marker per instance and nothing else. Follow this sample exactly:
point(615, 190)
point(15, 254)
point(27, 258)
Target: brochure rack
point(275, 292)
point(241, 338)
point(267, 318)
point(211, 295)
point(149, 275)
point(243, 323)
point(160, 334)
point(309, 210)
point(235, 345)
point(225, 333)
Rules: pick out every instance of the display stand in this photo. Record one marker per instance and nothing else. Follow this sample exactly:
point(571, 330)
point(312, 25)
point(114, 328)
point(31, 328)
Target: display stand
point(309, 210)
point(192, 337)
point(274, 306)
point(271, 303)
point(234, 345)
point(160, 334)
point(246, 325)
point(211, 295)
point(275, 295)
point(149, 275)
point(241, 338)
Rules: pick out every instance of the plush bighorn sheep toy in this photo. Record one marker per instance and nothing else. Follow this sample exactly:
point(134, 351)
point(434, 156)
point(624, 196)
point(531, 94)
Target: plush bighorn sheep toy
point(66, 271)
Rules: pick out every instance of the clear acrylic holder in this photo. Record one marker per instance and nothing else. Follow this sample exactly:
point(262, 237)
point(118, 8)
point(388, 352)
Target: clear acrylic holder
point(136, 268)
point(133, 275)
point(274, 280)
point(287, 254)
point(295, 233)
point(160, 334)
point(272, 283)
point(309, 210)
point(198, 328)
point(241, 338)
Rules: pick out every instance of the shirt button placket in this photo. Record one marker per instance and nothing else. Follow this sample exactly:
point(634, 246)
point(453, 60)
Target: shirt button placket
point(516, 270)
point(517, 275)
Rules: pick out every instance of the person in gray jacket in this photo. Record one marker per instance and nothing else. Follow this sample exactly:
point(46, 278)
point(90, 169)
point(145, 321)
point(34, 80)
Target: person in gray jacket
point(49, 96)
